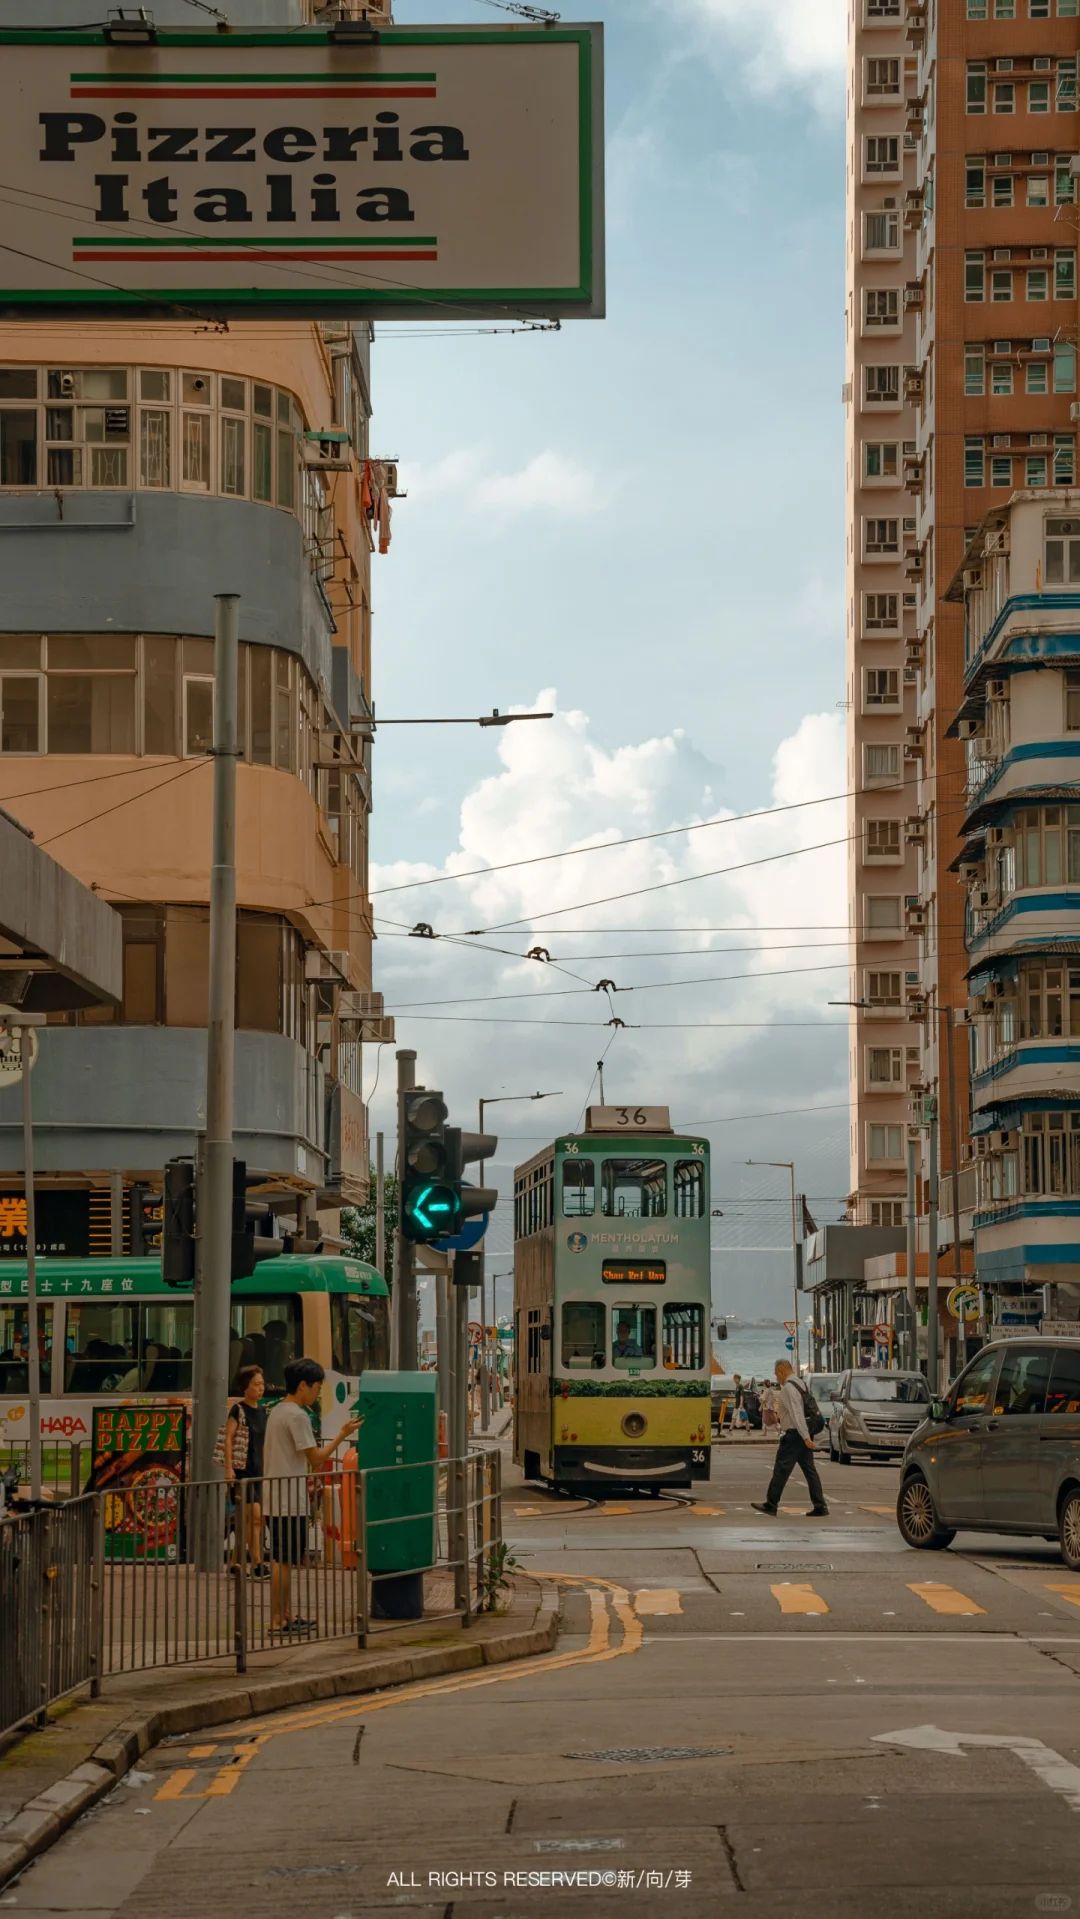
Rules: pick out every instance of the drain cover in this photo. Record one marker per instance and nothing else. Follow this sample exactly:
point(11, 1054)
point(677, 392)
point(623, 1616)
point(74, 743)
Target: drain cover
point(793, 1566)
point(635, 1755)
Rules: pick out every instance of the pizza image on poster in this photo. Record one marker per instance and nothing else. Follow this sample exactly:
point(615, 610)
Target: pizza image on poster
point(138, 1461)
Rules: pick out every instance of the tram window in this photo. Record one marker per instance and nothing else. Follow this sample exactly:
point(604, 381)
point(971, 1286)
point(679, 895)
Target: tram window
point(684, 1339)
point(14, 1371)
point(634, 1188)
point(535, 1348)
point(582, 1334)
point(633, 1337)
point(688, 1181)
point(128, 1347)
point(266, 1333)
point(358, 1335)
point(578, 1188)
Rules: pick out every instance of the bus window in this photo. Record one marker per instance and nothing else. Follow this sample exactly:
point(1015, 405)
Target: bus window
point(359, 1336)
point(688, 1178)
point(633, 1337)
point(582, 1334)
point(684, 1339)
point(266, 1333)
point(634, 1188)
point(128, 1347)
point(14, 1371)
point(578, 1189)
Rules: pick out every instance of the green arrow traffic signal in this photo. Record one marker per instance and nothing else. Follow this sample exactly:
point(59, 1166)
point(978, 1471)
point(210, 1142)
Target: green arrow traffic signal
point(431, 1210)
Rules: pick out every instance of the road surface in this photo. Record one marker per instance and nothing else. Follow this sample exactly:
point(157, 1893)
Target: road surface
point(717, 1730)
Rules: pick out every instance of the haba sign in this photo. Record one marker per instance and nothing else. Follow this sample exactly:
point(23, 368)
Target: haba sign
point(454, 171)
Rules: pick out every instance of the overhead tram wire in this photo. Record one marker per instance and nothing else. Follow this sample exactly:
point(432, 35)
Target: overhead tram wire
point(132, 799)
point(645, 986)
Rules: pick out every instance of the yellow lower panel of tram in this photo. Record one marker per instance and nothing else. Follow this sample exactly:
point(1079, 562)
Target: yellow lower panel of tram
point(615, 1422)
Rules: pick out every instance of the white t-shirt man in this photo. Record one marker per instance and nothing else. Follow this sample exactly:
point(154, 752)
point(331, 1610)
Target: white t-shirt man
point(289, 1437)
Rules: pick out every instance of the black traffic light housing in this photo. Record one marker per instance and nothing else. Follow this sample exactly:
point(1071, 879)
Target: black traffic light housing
point(430, 1201)
point(177, 1224)
point(462, 1149)
point(146, 1209)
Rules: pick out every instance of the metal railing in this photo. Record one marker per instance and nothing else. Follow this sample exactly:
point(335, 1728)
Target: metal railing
point(167, 1573)
point(47, 1591)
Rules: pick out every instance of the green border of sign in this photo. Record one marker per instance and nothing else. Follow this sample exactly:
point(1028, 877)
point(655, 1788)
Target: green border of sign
point(585, 301)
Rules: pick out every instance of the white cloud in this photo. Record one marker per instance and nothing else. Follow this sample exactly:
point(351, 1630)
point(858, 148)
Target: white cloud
point(707, 1049)
point(781, 40)
point(549, 482)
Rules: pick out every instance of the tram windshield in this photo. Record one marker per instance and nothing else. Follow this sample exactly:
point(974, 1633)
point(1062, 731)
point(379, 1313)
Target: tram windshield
point(634, 1188)
point(684, 1339)
point(583, 1334)
point(633, 1336)
point(578, 1189)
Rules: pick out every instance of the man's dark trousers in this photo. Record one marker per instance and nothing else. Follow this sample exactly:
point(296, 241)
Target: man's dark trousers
point(791, 1452)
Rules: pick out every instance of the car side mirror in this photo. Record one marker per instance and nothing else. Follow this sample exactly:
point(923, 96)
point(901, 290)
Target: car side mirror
point(940, 1409)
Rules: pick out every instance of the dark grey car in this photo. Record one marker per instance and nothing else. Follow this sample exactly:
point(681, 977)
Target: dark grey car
point(1001, 1452)
point(874, 1412)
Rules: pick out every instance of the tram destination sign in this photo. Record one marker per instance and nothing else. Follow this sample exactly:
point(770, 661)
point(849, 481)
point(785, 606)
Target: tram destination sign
point(453, 172)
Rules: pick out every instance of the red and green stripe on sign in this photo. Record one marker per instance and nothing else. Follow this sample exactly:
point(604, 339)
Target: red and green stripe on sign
point(102, 247)
point(252, 86)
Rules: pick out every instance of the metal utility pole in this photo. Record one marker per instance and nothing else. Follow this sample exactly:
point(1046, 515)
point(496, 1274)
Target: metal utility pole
point(380, 1208)
point(954, 1154)
point(789, 1166)
point(912, 1256)
point(24, 1027)
point(444, 1363)
point(459, 1442)
point(210, 1384)
point(485, 1380)
point(404, 1302)
point(932, 1362)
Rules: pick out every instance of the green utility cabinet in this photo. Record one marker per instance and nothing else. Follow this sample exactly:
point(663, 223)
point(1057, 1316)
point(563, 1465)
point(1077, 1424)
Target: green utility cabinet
point(400, 1429)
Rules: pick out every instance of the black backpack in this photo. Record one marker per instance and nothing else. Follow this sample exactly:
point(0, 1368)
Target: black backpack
point(815, 1420)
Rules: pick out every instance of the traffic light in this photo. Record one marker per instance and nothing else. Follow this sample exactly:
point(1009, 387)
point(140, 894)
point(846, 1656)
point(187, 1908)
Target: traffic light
point(243, 1229)
point(146, 1214)
point(178, 1224)
point(430, 1201)
point(462, 1149)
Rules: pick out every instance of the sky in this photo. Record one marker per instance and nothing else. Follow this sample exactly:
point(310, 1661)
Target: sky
point(637, 523)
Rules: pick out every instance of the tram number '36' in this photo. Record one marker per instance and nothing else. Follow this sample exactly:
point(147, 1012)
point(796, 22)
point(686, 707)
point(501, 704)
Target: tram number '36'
point(697, 1455)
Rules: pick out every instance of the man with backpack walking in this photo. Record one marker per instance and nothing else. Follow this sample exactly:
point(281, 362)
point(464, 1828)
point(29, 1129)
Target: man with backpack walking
point(799, 1419)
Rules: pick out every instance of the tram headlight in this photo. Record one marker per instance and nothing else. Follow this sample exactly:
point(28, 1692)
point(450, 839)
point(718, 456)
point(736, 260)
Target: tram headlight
point(634, 1425)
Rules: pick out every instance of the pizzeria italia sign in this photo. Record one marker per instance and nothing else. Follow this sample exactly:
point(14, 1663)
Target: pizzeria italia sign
point(458, 171)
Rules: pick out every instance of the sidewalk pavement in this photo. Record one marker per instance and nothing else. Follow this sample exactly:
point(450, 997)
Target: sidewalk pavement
point(49, 1778)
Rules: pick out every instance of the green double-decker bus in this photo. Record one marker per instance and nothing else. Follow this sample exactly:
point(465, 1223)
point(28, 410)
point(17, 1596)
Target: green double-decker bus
point(612, 1305)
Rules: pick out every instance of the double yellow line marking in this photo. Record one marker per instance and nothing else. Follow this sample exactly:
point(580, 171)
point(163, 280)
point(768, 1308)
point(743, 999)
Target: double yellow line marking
point(336, 1712)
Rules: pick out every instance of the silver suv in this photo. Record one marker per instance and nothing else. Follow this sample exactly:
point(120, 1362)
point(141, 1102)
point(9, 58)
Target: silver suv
point(1001, 1451)
point(873, 1414)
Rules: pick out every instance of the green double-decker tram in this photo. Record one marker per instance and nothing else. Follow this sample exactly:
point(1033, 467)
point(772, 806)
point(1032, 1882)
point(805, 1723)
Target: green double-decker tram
point(612, 1304)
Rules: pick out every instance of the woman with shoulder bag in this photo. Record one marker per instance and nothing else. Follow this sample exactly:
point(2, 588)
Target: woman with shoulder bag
point(245, 1432)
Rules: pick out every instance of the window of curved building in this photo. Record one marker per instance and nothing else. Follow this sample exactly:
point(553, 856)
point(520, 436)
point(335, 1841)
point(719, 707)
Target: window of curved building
point(161, 428)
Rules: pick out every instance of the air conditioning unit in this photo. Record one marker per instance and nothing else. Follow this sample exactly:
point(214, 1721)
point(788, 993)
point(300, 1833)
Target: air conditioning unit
point(911, 140)
point(1001, 440)
point(1002, 348)
point(972, 578)
point(980, 1146)
point(1002, 255)
point(997, 542)
point(1041, 344)
point(915, 830)
point(994, 836)
point(1074, 411)
point(913, 478)
point(1040, 253)
point(914, 295)
point(911, 599)
point(995, 689)
point(329, 451)
point(983, 897)
point(969, 871)
point(913, 652)
point(966, 729)
point(325, 966)
point(911, 676)
point(1038, 439)
point(390, 478)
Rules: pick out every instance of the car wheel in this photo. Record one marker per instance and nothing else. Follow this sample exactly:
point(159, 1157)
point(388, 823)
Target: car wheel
point(1069, 1529)
point(842, 1458)
point(917, 1517)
